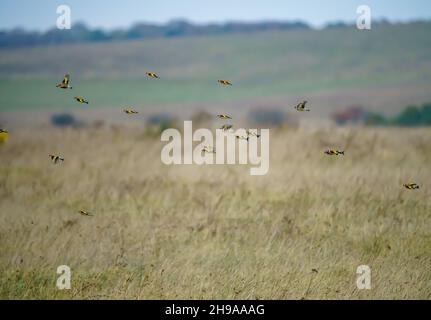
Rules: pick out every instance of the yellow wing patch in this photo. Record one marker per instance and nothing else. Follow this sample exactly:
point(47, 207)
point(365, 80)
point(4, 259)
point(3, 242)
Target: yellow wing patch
point(66, 79)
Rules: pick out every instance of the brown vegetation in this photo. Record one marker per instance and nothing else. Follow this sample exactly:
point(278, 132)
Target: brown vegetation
point(215, 231)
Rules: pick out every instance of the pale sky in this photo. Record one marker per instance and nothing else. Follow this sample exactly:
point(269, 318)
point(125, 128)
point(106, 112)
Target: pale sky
point(108, 14)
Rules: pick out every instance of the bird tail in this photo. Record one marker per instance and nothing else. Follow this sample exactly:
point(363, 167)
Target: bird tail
point(341, 152)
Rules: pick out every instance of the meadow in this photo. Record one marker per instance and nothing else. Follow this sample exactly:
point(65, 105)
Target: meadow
point(214, 231)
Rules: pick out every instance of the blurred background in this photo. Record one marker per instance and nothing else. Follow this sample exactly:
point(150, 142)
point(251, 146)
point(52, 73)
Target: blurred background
point(276, 53)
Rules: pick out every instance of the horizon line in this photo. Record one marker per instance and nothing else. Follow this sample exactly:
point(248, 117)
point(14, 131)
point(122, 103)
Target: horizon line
point(225, 22)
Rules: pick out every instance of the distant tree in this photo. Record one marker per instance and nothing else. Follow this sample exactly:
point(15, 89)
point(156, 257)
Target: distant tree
point(426, 114)
point(98, 35)
point(375, 119)
point(176, 28)
point(63, 120)
point(409, 117)
point(336, 24)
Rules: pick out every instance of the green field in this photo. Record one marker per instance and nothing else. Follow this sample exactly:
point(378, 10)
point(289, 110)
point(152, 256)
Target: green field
point(261, 65)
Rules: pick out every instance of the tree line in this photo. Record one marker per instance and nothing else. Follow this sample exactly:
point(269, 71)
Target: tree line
point(81, 33)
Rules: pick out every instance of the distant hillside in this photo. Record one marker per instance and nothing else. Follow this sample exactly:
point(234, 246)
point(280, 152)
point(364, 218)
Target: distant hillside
point(177, 28)
point(388, 67)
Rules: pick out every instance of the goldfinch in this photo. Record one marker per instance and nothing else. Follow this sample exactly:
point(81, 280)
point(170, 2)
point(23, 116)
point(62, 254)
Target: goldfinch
point(252, 133)
point(224, 82)
point(208, 149)
point(130, 111)
point(56, 158)
point(226, 127)
point(301, 106)
point(411, 186)
point(81, 100)
point(152, 75)
point(85, 213)
point(223, 116)
point(65, 83)
point(242, 137)
point(3, 135)
point(333, 152)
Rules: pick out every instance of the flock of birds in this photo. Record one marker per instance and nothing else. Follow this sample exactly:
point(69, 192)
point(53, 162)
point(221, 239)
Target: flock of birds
point(300, 107)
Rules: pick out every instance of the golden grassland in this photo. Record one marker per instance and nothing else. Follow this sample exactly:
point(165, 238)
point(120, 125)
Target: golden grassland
point(214, 231)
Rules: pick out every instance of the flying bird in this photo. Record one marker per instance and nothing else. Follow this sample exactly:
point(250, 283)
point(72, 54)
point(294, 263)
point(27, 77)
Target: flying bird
point(3, 135)
point(224, 82)
point(85, 213)
point(223, 116)
point(411, 186)
point(152, 75)
point(226, 127)
point(65, 83)
point(81, 100)
point(242, 137)
point(252, 133)
point(208, 149)
point(56, 158)
point(301, 106)
point(130, 111)
point(333, 152)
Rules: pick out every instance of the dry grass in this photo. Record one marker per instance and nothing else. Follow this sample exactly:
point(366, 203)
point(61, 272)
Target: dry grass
point(214, 231)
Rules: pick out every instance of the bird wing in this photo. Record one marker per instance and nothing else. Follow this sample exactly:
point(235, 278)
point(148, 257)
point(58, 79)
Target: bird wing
point(66, 79)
